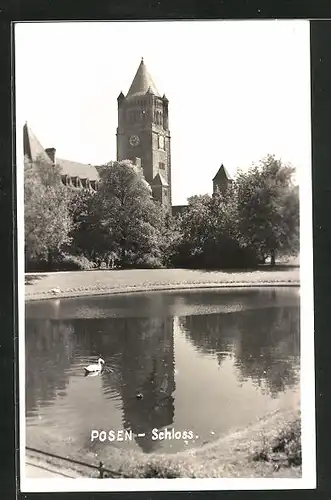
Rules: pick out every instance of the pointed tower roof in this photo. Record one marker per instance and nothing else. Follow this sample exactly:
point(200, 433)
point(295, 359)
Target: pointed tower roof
point(222, 172)
point(142, 82)
point(159, 180)
point(32, 147)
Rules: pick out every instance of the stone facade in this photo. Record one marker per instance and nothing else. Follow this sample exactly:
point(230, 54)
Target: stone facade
point(143, 132)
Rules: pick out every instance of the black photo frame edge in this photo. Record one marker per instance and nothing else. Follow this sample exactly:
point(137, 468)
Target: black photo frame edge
point(321, 178)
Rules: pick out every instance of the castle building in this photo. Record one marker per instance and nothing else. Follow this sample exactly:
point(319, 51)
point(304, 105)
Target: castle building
point(74, 175)
point(143, 134)
point(143, 137)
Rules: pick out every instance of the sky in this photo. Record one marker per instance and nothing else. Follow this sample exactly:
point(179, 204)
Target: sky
point(237, 90)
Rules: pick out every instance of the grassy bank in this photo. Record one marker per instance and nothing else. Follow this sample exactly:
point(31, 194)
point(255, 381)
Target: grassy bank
point(79, 283)
point(269, 448)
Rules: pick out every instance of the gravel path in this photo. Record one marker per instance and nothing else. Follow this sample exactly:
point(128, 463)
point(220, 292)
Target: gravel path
point(77, 283)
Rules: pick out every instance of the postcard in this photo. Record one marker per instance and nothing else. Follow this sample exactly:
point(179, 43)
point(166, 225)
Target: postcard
point(166, 337)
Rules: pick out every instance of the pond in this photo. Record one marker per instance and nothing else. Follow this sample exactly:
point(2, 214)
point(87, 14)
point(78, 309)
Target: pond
point(204, 362)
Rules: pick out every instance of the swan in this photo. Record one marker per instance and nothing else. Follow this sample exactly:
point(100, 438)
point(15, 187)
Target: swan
point(95, 368)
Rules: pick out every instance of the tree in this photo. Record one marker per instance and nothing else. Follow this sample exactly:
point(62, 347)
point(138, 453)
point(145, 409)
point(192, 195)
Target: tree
point(196, 223)
point(88, 237)
point(192, 232)
point(224, 248)
point(268, 209)
point(129, 219)
point(170, 236)
point(46, 211)
point(210, 233)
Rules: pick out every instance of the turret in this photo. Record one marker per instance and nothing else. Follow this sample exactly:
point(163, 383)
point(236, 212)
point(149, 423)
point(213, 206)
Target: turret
point(120, 98)
point(222, 180)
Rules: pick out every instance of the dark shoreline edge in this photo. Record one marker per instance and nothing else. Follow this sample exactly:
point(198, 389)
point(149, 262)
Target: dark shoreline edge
point(88, 291)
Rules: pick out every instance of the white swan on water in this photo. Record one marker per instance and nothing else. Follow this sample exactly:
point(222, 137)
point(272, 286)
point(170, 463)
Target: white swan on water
point(95, 368)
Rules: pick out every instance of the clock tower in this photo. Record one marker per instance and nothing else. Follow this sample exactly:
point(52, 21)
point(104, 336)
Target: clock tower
point(143, 134)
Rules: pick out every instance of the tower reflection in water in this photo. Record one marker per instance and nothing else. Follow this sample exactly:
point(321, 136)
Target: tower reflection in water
point(145, 367)
point(139, 351)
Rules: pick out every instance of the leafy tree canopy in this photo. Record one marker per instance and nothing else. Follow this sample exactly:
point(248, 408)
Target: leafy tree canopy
point(47, 218)
point(268, 208)
point(131, 221)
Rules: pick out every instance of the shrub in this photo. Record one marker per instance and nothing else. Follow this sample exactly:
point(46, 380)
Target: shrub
point(149, 262)
point(227, 254)
point(288, 441)
point(161, 471)
point(60, 262)
point(284, 449)
point(34, 266)
point(145, 262)
point(74, 263)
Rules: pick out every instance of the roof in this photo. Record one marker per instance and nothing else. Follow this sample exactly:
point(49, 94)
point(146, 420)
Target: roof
point(32, 147)
point(222, 172)
point(142, 82)
point(34, 151)
point(159, 180)
point(75, 169)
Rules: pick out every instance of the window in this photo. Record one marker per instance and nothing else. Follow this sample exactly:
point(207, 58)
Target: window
point(161, 166)
point(161, 142)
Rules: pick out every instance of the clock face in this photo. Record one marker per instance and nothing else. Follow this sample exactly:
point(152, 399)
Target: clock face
point(134, 140)
point(161, 142)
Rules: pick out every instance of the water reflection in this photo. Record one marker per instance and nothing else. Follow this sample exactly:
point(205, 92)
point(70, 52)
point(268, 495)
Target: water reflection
point(140, 352)
point(256, 331)
point(49, 354)
point(148, 368)
point(264, 343)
